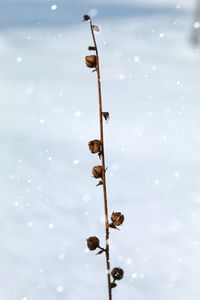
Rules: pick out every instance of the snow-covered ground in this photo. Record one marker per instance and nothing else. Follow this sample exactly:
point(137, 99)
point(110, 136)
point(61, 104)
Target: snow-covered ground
point(48, 113)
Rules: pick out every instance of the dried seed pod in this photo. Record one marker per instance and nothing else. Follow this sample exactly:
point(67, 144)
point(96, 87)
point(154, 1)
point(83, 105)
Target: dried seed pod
point(117, 218)
point(97, 171)
point(117, 273)
point(93, 243)
point(91, 61)
point(86, 17)
point(95, 146)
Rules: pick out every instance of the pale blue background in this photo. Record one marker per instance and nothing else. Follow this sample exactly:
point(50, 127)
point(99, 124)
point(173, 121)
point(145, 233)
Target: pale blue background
point(48, 113)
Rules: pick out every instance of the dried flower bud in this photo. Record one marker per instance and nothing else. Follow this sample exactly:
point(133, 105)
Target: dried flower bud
point(86, 17)
point(91, 48)
point(91, 61)
point(92, 243)
point(117, 218)
point(97, 171)
point(95, 146)
point(117, 273)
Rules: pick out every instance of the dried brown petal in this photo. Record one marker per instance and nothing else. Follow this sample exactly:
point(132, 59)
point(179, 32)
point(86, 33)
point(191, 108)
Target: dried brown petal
point(106, 115)
point(100, 154)
point(113, 285)
point(97, 171)
point(95, 146)
point(117, 273)
point(93, 243)
point(95, 28)
point(112, 225)
point(117, 218)
point(92, 48)
point(101, 251)
point(100, 183)
point(91, 61)
point(86, 17)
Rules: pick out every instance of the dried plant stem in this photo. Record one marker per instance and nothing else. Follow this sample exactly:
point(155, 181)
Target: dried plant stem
point(107, 252)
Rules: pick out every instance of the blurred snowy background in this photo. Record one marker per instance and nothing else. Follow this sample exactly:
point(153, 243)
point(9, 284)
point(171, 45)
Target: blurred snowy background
point(48, 113)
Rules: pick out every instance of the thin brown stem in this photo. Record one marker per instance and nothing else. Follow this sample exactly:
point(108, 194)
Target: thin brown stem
point(107, 252)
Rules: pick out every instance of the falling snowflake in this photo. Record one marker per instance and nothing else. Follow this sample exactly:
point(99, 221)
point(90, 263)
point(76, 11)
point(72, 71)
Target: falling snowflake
point(19, 59)
point(196, 25)
point(75, 161)
point(60, 289)
point(54, 7)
